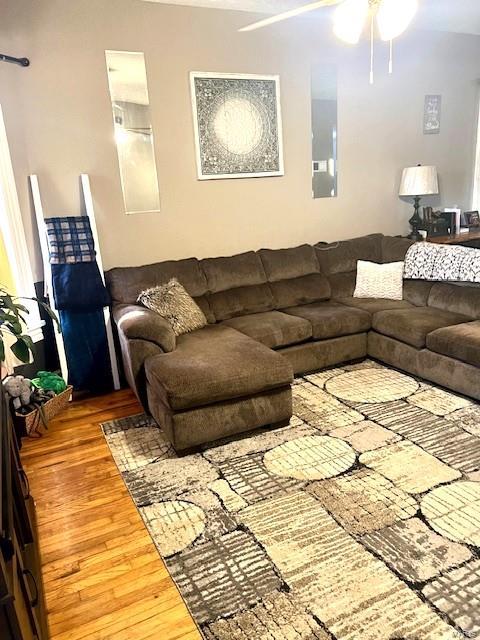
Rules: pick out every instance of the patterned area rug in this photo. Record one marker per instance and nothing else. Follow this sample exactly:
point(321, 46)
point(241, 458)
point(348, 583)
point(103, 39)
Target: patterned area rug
point(358, 521)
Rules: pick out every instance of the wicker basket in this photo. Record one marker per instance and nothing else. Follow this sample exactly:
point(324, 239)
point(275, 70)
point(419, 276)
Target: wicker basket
point(36, 422)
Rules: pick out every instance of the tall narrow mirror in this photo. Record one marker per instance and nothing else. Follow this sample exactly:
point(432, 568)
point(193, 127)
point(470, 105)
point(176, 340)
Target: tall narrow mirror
point(127, 80)
point(324, 132)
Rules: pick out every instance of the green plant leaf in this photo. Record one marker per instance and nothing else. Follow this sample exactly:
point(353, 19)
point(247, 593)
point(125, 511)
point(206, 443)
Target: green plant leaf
point(28, 341)
point(12, 319)
point(21, 349)
point(7, 302)
point(22, 307)
point(50, 313)
point(15, 327)
point(7, 317)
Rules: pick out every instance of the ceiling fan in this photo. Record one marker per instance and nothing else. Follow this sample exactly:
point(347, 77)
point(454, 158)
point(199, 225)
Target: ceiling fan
point(351, 16)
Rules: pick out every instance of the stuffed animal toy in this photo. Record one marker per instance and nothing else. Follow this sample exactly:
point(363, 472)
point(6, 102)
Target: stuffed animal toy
point(19, 389)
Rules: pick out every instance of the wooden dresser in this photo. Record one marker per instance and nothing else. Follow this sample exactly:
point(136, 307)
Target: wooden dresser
point(22, 608)
point(471, 239)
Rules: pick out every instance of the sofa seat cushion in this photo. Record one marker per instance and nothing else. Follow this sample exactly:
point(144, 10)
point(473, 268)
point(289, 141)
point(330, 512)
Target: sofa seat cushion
point(273, 329)
point(213, 364)
point(332, 320)
point(372, 305)
point(413, 325)
point(461, 341)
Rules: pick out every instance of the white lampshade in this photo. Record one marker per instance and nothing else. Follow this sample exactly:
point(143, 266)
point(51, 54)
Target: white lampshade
point(419, 181)
point(349, 20)
point(394, 16)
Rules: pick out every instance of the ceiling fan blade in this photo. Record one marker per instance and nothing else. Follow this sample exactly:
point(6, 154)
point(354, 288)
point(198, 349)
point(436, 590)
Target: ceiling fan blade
point(290, 14)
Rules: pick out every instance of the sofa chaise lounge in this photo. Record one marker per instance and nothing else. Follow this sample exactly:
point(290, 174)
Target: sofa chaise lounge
point(274, 314)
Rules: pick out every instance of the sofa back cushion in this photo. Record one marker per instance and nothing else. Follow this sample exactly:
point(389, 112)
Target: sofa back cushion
point(241, 301)
point(393, 249)
point(237, 285)
point(284, 264)
point(338, 260)
point(341, 257)
point(456, 298)
point(242, 270)
point(126, 283)
point(294, 276)
point(303, 290)
point(342, 285)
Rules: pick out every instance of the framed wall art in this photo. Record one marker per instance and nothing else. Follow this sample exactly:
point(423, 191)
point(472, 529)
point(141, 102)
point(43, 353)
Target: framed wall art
point(431, 114)
point(237, 125)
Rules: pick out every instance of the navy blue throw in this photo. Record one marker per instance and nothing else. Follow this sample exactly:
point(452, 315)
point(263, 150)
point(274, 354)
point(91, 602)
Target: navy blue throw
point(78, 286)
point(86, 349)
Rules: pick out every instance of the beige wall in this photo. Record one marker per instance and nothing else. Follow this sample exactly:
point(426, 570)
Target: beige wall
point(58, 117)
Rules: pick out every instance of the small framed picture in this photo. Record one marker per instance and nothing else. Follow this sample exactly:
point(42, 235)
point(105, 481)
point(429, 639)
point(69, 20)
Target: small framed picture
point(472, 218)
point(431, 114)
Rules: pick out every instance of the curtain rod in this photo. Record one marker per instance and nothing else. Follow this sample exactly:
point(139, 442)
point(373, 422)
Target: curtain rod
point(23, 62)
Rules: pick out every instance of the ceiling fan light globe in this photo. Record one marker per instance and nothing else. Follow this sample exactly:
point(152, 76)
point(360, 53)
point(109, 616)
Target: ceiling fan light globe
point(349, 20)
point(394, 16)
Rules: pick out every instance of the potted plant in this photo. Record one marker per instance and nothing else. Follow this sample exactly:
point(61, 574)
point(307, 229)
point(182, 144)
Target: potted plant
point(12, 325)
point(40, 404)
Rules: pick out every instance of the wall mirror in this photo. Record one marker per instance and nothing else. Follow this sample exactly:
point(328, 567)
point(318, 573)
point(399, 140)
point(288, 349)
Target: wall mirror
point(127, 80)
point(324, 132)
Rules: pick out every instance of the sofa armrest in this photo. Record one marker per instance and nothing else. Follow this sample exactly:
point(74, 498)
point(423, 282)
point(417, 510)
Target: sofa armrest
point(139, 323)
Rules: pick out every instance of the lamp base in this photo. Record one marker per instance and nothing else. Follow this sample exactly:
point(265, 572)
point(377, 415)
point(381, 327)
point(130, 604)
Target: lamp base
point(415, 235)
point(415, 221)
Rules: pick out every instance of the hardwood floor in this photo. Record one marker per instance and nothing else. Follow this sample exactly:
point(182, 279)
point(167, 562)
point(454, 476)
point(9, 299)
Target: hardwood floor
point(103, 576)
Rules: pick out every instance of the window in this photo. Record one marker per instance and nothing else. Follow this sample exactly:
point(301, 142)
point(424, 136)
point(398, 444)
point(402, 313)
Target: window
point(13, 238)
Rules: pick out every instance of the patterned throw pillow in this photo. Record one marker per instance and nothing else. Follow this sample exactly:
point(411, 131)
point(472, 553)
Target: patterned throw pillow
point(173, 303)
point(379, 280)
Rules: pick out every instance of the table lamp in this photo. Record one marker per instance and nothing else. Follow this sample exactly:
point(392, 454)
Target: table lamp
point(418, 181)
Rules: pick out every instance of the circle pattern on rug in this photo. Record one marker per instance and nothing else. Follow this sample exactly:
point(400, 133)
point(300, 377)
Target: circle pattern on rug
point(175, 524)
point(371, 385)
point(454, 511)
point(310, 458)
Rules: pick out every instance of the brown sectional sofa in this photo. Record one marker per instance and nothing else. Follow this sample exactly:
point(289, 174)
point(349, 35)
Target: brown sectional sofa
point(276, 313)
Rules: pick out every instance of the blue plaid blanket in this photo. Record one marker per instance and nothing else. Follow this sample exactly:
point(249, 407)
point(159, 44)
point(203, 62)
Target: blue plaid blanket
point(76, 279)
point(70, 240)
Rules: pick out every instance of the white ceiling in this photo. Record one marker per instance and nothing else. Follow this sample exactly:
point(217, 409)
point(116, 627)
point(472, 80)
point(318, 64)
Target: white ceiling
point(460, 16)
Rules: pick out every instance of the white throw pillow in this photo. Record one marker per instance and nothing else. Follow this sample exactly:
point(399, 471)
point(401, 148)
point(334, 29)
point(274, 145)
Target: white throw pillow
point(379, 280)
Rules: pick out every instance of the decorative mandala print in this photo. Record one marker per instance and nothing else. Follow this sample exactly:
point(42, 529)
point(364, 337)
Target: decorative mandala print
point(237, 123)
point(454, 511)
point(371, 385)
point(310, 458)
